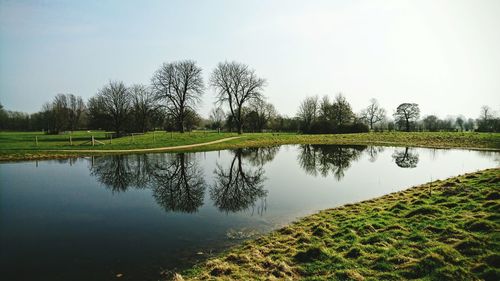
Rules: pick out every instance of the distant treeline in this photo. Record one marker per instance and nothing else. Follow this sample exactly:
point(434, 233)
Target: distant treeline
point(170, 102)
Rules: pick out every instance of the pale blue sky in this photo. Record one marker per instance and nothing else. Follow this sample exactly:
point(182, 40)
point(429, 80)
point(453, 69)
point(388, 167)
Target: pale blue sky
point(443, 55)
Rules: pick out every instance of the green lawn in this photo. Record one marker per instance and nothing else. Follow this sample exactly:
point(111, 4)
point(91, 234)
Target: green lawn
point(22, 145)
point(443, 230)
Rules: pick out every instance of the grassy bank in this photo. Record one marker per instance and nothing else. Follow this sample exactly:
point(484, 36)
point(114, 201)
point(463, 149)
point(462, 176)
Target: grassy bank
point(443, 230)
point(21, 146)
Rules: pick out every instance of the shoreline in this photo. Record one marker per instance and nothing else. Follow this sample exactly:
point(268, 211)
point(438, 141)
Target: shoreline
point(442, 229)
point(490, 142)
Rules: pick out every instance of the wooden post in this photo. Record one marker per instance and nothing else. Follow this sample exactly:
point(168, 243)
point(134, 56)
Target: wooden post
point(93, 141)
point(36, 140)
point(70, 141)
point(110, 138)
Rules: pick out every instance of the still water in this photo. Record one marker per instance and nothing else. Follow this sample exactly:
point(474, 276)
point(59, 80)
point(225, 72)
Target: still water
point(144, 216)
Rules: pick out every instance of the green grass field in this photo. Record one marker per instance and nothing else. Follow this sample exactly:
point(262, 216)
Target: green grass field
point(22, 145)
point(443, 230)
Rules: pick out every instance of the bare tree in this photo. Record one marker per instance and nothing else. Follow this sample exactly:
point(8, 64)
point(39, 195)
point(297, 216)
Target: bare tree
point(373, 113)
point(217, 117)
point(236, 84)
point(260, 115)
point(180, 86)
point(76, 107)
point(486, 113)
point(144, 106)
point(406, 113)
point(308, 111)
point(115, 101)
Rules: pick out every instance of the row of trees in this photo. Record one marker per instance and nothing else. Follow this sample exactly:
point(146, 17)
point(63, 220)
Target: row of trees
point(172, 98)
point(324, 116)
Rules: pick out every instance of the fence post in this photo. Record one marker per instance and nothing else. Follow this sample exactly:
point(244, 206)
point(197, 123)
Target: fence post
point(36, 140)
point(93, 141)
point(70, 141)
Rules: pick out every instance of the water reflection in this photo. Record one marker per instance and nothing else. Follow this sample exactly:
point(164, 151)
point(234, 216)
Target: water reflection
point(116, 172)
point(406, 158)
point(374, 151)
point(238, 186)
point(326, 159)
point(178, 183)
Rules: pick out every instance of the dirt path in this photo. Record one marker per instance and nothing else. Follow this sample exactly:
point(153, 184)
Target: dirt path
point(166, 148)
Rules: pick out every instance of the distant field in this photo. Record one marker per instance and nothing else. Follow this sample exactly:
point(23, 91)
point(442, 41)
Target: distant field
point(22, 145)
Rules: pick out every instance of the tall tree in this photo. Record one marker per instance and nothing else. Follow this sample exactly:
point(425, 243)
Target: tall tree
point(406, 113)
point(236, 84)
point(180, 86)
point(373, 113)
point(115, 102)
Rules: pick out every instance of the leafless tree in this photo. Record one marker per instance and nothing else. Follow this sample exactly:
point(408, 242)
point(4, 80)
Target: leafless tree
point(262, 113)
point(308, 111)
point(373, 113)
point(76, 107)
point(115, 101)
point(217, 117)
point(406, 113)
point(236, 84)
point(144, 106)
point(180, 86)
point(486, 113)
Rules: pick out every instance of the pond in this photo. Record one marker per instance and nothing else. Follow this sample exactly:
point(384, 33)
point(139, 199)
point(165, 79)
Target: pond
point(144, 216)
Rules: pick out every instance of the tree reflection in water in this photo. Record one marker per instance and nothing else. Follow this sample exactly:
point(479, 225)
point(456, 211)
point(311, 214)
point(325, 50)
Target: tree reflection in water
point(178, 183)
point(115, 172)
point(176, 180)
point(239, 186)
point(405, 158)
point(326, 159)
point(374, 151)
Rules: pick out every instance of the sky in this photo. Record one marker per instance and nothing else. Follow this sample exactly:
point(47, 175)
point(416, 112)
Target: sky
point(443, 55)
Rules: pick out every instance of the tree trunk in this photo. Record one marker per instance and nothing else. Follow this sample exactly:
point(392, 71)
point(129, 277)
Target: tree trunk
point(240, 128)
